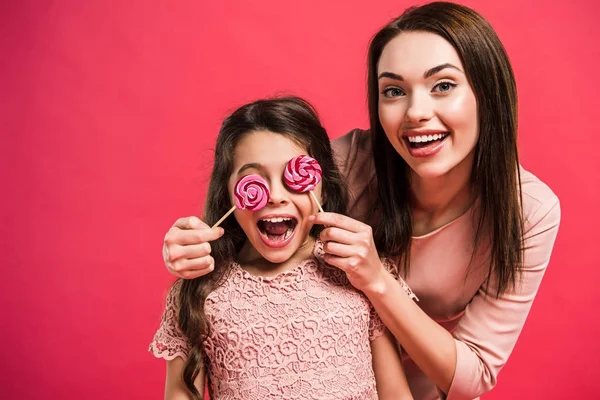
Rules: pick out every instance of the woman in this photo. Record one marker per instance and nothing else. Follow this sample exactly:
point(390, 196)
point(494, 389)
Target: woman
point(437, 183)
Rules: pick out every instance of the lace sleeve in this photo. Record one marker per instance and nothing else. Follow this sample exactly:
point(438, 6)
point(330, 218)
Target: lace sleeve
point(376, 325)
point(169, 342)
point(393, 269)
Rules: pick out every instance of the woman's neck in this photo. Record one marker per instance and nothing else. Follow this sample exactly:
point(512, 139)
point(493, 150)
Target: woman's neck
point(254, 262)
point(438, 201)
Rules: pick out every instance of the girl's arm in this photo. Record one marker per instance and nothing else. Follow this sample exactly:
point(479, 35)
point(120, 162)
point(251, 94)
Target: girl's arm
point(172, 345)
point(389, 373)
point(175, 389)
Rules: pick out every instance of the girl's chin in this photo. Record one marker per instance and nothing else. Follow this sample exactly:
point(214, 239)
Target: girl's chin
point(278, 255)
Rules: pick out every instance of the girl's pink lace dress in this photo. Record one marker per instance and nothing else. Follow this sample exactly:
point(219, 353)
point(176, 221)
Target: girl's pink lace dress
point(303, 334)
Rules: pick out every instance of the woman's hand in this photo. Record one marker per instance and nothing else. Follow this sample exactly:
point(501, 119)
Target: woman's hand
point(186, 250)
point(349, 245)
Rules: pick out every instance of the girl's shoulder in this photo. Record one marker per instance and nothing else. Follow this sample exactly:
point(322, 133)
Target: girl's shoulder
point(327, 274)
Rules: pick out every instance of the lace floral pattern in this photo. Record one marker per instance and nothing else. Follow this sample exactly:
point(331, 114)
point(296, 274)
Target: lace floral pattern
point(393, 269)
point(303, 334)
point(169, 342)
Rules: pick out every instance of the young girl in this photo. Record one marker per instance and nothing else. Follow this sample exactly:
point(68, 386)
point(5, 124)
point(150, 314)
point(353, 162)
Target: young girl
point(274, 321)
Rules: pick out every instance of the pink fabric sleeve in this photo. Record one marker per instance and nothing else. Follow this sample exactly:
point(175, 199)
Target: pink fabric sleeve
point(490, 326)
point(169, 342)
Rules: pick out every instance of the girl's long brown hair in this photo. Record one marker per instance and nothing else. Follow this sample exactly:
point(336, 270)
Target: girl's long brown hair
point(289, 116)
point(495, 174)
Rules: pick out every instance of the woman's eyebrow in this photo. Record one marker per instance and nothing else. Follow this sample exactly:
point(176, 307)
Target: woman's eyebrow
point(439, 68)
point(426, 75)
point(390, 75)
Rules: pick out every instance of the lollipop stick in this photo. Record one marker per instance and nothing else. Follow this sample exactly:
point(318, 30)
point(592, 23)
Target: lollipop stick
point(224, 216)
point(316, 201)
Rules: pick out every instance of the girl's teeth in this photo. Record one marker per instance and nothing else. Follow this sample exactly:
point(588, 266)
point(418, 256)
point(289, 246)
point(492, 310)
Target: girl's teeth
point(280, 219)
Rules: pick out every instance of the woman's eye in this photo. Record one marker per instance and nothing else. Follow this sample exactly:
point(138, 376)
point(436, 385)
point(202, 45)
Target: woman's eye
point(392, 92)
point(444, 87)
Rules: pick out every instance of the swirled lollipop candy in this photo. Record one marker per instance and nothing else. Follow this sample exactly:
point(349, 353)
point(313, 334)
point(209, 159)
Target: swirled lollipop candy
point(302, 174)
point(251, 193)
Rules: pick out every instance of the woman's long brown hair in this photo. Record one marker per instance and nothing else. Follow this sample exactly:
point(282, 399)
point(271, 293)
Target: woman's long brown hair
point(495, 174)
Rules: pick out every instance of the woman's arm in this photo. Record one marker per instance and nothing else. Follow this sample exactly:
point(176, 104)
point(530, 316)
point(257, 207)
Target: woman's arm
point(389, 373)
point(429, 345)
point(349, 246)
point(464, 364)
point(175, 389)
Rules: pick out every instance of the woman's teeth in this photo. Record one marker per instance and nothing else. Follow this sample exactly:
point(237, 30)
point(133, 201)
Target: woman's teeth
point(427, 138)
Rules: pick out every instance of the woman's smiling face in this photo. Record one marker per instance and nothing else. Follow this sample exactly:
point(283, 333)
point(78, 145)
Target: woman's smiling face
point(427, 107)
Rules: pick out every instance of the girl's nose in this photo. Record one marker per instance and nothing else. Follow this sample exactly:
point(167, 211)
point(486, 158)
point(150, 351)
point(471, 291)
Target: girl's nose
point(279, 194)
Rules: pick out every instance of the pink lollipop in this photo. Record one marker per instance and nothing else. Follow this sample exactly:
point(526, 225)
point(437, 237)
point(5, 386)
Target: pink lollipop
point(251, 193)
point(302, 174)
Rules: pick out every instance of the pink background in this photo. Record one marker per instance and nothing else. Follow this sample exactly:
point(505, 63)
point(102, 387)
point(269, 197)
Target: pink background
point(108, 115)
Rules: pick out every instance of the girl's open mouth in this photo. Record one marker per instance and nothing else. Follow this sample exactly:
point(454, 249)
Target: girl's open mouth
point(277, 231)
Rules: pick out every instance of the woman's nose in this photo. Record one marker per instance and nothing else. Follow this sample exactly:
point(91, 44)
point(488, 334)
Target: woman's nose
point(420, 108)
